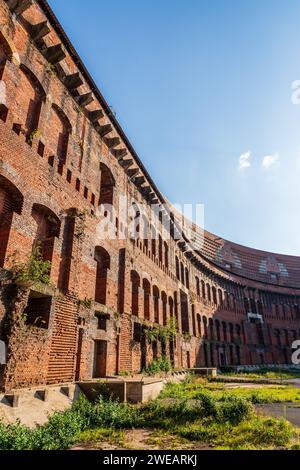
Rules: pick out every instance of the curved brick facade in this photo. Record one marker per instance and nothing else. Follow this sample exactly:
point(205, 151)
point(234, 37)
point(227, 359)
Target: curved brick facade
point(63, 158)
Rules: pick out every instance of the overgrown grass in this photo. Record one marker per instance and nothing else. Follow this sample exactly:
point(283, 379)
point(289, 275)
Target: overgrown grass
point(257, 395)
point(196, 411)
point(265, 373)
point(65, 428)
point(255, 433)
point(112, 436)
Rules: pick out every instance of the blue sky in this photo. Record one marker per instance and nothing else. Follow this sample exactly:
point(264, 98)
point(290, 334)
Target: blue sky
point(203, 90)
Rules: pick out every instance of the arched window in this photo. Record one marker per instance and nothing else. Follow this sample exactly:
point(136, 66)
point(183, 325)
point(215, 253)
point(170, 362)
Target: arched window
point(177, 268)
point(171, 307)
point(135, 286)
point(47, 229)
point(194, 320)
point(153, 241)
point(11, 201)
point(147, 292)
point(224, 326)
point(211, 329)
point(197, 286)
point(58, 138)
point(145, 232)
point(166, 249)
point(220, 297)
point(103, 265)
point(156, 303)
point(208, 292)
point(164, 299)
point(187, 278)
point(214, 295)
point(182, 273)
point(199, 324)
point(107, 186)
point(28, 102)
point(160, 249)
point(176, 306)
point(203, 289)
point(205, 327)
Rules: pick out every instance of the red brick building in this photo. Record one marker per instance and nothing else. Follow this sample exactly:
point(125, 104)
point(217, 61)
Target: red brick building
point(63, 160)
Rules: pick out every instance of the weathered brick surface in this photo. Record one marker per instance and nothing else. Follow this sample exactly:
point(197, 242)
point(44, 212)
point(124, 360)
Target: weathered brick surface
point(57, 169)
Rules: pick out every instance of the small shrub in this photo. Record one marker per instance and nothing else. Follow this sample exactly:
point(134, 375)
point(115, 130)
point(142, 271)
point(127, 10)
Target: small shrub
point(15, 437)
point(158, 365)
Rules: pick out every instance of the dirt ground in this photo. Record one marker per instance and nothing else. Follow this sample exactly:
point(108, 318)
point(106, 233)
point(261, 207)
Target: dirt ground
point(144, 439)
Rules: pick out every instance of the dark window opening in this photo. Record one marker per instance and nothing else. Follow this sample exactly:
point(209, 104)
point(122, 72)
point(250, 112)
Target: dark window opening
point(103, 265)
point(184, 313)
point(17, 128)
point(41, 149)
point(102, 320)
point(137, 332)
point(3, 112)
point(106, 186)
point(69, 176)
point(51, 160)
point(37, 312)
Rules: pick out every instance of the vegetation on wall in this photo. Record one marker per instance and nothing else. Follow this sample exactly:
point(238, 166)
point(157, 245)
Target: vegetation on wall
point(35, 270)
point(162, 333)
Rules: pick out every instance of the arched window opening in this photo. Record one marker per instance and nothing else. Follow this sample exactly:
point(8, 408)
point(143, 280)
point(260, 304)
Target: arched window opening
point(153, 241)
point(103, 265)
point(205, 327)
point(199, 324)
point(166, 249)
point(208, 292)
point(135, 286)
point(194, 321)
point(211, 329)
point(171, 307)
point(61, 130)
point(197, 286)
point(164, 299)
point(160, 249)
point(224, 326)
point(36, 99)
point(177, 268)
point(220, 297)
point(203, 289)
point(147, 292)
point(187, 278)
point(156, 303)
point(145, 232)
point(176, 307)
point(28, 104)
point(182, 273)
point(47, 229)
point(214, 295)
point(11, 201)
point(107, 186)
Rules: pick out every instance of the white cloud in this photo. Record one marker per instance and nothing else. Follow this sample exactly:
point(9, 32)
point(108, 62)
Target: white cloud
point(270, 160)
point(245, 161)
